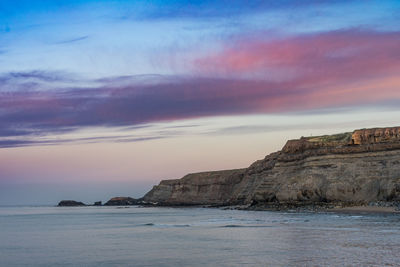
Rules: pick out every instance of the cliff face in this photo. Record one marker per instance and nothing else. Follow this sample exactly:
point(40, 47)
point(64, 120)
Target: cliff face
point(376, 135)
point(211, 188)
point(350, 168)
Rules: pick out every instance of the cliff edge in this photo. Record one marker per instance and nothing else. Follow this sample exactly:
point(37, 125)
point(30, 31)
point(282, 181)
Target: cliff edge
point(343, 169)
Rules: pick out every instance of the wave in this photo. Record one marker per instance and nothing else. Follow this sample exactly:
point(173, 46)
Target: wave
point(243, 225)
point(166, 225)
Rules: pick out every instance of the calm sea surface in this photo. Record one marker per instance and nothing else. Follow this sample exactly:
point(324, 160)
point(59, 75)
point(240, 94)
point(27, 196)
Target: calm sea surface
point(111, 236)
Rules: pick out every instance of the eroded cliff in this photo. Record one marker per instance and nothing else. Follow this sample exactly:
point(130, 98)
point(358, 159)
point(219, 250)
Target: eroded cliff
point(349, 169)
point(209, 188)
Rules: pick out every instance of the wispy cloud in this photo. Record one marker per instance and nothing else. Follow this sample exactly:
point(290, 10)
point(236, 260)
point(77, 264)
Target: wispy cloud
point(73, 40)
point(35, 74)
point(9, 143)
point(335, 54)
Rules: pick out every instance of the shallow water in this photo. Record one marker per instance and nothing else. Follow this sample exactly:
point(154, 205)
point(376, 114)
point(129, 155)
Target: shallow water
point(135, 236)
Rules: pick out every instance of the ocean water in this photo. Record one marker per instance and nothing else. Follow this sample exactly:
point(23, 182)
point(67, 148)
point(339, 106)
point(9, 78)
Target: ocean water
point(137, 236)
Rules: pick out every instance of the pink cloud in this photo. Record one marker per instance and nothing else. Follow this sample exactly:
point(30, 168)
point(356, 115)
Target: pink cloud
point(313, 71)
point(337, 54)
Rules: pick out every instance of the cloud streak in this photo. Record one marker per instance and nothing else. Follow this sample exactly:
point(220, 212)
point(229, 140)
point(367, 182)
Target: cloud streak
point(87, 140)
point(327, 70)
point(73, 40)
point(333, 55)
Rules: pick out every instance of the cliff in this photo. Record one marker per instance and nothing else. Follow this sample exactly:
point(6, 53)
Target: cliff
point(345, 169)
point(210, 188)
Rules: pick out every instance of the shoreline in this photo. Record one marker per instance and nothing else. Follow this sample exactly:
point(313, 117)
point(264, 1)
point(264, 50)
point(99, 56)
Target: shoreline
point(365, 209)
point(316, 209)
point(324, 207)
point(387, 207)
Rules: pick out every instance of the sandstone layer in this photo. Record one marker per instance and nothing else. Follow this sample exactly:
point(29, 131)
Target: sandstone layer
point(345, 169)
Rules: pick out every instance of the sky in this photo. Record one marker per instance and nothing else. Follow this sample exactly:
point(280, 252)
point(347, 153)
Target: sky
point(106, 98)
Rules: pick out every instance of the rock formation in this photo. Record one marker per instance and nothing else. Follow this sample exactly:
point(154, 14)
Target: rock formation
point(344, 169)
point(121, 201)
point(212, 188)
point(70, 203)
point(376, 135)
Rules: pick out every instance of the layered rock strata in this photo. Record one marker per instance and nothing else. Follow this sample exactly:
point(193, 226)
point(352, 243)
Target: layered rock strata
point(346, 169)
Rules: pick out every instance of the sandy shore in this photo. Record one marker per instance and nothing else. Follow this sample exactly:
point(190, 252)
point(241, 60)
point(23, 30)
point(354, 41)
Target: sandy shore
point(366, 209)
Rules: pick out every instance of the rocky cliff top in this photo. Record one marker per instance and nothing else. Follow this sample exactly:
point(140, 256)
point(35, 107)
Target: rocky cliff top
point(307, 143)
point(375, 135)
point(203, 178)
point(351, 142)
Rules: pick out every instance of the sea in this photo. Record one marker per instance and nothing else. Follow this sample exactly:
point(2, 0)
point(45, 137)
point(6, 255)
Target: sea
point(152, 236)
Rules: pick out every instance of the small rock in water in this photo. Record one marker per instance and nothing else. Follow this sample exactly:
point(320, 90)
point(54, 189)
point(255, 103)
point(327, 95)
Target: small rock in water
point(70, 203)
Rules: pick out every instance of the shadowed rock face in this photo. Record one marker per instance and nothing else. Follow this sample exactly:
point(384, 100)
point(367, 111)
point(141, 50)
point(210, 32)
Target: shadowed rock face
point(350, 168)
point(121, 201)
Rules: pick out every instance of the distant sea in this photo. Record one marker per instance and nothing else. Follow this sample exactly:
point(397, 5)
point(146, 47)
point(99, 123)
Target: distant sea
point(136, 236)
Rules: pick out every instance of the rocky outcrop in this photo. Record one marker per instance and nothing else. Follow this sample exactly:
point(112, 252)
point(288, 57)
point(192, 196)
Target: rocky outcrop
point(122, 201)
point(376, 135)
point(70, 203)
point(345, 169)
point(211, 188)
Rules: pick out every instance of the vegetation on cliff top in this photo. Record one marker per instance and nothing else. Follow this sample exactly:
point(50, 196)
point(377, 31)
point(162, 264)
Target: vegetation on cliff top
point(337, 138)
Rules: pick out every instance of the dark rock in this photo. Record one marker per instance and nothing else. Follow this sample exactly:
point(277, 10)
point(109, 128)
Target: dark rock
point(97, 203)
point(70, 203)
point(122, 201)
